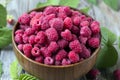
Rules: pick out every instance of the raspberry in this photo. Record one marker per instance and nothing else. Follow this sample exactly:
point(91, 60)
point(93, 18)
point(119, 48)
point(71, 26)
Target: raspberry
point(76, 13)
point(83, 39)
point(49, 17)
point(57, 63)
point(32, 14)
point(36, 24)
point(68, 23)
point(44, 25)
point(25, 38)
point(29, 31)
point(52, 34)
point(45, 52)
point(75, 46)
point(67, 35)
point(56, 23)
point(62, 15)
point(39, 59)
point(85, 52)
point(20, 31)
point(66, 62)
point(48, 61)
point(49, 10)
point(95, 27)
point(116, 74)
point(40, 38)
point(82, 17)
point(74, 37)
point(24, 19)
point(73, 57)
point(53, 47)
point(89, 19)
point(35, 52)
point(18, 38)
point(84, 23)
point(60, 55)
point(94, 42)
point(38, 15)
point(62, 43)
point(85, 32)
point(65, 10)
point(20, 47)
point(75, 30)
point(24, 27)
point(92, 74)
point(27, 50)
point(31, 39)
point(76, 20)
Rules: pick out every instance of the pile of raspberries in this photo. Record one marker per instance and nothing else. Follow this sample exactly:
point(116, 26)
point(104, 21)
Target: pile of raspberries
point(57, 35)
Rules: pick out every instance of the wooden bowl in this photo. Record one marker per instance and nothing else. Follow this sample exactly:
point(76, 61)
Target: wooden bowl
point(46, 72)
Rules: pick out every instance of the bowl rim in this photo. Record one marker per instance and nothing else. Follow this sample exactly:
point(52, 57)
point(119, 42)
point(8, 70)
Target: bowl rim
point(53, 66)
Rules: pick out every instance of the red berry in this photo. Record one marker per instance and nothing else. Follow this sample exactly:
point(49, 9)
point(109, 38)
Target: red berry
point(68, 23)
point(83, 40)
point(18, 38)
point(25, 38)
point(20, 47)
point(29, 31)
point(66, 62)
point(32, 39)
point(39, 59)
point(94, 42)
point(48, 61)
point(116, 74)
point(62, 43)
point(53, 47)
point(95, 27)
point(75, 30)
point(27, 50)
point(35, 52)
point(49, 10)
point(76, 20)
point(84, 23)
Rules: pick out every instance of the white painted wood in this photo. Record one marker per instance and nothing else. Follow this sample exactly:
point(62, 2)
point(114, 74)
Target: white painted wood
point(106, 16)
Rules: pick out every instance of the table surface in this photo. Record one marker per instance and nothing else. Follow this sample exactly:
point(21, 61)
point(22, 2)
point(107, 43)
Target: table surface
point(106, 16)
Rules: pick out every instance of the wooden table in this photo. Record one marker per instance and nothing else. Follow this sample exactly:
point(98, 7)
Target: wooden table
point(106, 16)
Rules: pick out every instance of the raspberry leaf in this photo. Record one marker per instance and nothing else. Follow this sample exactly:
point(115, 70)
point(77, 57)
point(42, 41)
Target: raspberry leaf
point(15, 70)
point(107, 57)
point(85, 9)
point(71, 3)
point(107, 35)
point(5, 37)
point(1, 70)
point(114, 4)
point(3, 14)
point(27, 77)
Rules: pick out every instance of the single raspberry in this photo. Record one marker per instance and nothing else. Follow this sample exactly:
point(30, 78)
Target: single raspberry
point(48, 61)
point(45, 25)
point(66, 62)
point(73, 57)
point(67, 35)
point(83, 40)
point(18, 38)
point(49, 17)
point(31, 39)
point(60, 55)
point(93, 74)
point(75, 30)
point(52, 34)
point(85, 52)
point(27, 50)
point(75, 46)
point(89, 19)
point(39, 59)
point(76, 13)
point(62, 15)
point(35, 52)
point(32, 14)
point(40, 37)
point(76, 20)
point(82, 17)
point(74, 37)
point(65, 10)
point(24, 19)
point(84, 23)
point(68, 23)
point(24, 27)
point(20, 47)
point(49, 10)
point(53, 47)
point(94, 42)
point(116, 74)
point(20, 31)
point(57, 63)
point(45, 52)
point(85, 32)
point(36, 24)
point(29, 31)
point(56, 23)
point(62, 43)
point(25, 38)
point(38, 15)
point(95, 27)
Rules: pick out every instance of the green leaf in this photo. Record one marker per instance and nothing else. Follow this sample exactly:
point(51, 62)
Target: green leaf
point(1, 70)
point(5, 37)
point(49, 2)
point(92, 1)
point(114, 4)
point(15, 70)
point(107, 35)
point(107, 57)
point(71, 3)
point(85, 10)
point(3, 14)
point(27, 77)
